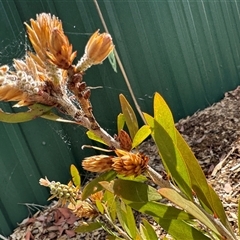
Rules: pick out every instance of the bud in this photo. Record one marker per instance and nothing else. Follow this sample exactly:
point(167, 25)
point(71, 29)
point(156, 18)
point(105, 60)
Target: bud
point(97, 49)
point(98, 163)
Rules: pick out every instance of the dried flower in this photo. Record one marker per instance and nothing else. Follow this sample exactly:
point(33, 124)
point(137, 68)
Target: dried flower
point(128, 163)
point(97, 49)
point(98, 163)
point(83, 209)
point(98, 196)
point(60, 51)
point(124, 140)
point(65, 193)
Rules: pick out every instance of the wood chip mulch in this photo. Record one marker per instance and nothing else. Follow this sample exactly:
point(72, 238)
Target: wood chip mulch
point(214, 136)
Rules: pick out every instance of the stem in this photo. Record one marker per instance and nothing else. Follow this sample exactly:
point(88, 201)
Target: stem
point(121, 65)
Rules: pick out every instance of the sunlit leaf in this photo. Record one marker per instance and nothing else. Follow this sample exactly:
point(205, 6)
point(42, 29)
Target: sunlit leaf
point(172, 158)
point(131, 222)
point(109, 198)
point(149, 231)
point(100, 206)
point(35, 111)
point(129, 115)
point(188, 206)
point(120, 122)
point(141, 135)
point(94, 186)
point(112, 60)
point(181, 230)
point(163, 115)
point(88, 227)
point(75, 176)
point(161, 210)
point(94, 137)
point(132, 191)
point(54, 117)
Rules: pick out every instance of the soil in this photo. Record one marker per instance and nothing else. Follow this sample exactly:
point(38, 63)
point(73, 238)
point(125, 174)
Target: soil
point(214, 136)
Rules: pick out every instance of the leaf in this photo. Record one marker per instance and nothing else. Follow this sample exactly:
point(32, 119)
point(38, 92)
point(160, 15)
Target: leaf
point(156, 209)
point(171, 157)
point(94, 137)
point(163, 115)
point(109, 198)
point(188, 206)
point(35, 111)
point(181, 230)
point(100, 206)
point(88, 227)
point(129, 115)
point(149, 231)
point(75, 176)
point(94, 186)
point(53, 117)
point(141, 135)
point(131, 190)
point(112, 60)
point(120, 122)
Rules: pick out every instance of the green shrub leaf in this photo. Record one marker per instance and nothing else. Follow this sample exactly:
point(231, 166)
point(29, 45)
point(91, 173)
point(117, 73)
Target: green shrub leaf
point(130, 117)
point(148, 230)
point(131, 190)
point(34, 111)
point(94, 186)
point(75, 176)
point(120, 122)
point(181, 230)
point(141, 135)
point(91, 135)
point(88, 227)
point(188, 206)
point(163, 115)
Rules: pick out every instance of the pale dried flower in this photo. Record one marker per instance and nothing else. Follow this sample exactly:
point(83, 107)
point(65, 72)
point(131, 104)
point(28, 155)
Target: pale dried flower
point(98, 163)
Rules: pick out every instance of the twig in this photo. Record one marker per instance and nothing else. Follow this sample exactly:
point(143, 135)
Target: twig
point(121, 65)
point(3, 238)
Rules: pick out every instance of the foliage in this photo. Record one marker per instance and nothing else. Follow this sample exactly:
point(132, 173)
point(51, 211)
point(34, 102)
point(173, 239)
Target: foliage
point(193, 209)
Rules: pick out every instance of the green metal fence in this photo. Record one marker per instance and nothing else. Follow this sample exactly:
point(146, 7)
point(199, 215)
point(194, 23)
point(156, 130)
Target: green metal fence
point(186, 50)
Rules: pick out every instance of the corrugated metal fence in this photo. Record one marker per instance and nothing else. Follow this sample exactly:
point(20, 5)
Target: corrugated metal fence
point(186, 50)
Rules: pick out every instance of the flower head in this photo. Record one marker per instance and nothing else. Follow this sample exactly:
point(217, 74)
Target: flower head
point(98, 163)
point(128, 163)
point(97, 49)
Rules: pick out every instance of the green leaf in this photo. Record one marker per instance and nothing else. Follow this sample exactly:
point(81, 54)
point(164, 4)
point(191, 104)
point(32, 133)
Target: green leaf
point(129, 115)
point(88, 227)
point(91, 135)
point(120, 122)
point(188, 206)
point(131, 190)
point(199, 182)
point(149, 231)
point(141, 135)
point(53, 117)
point(94, 186)
point(163, 115)
point(100, 206)
point(131, 222)
point(112, 60)
point(181, 230)
point(35, 111)
point(75, 176)
point(109, 199)
point(172, 158)
point(156, 209)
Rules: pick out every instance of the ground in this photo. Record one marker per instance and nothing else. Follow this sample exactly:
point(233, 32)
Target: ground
point(214, 136)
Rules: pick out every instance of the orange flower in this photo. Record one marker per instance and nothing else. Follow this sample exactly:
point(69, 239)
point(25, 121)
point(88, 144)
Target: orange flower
point(98, 163)
point(128, 163)
point(60, 51)
point(98, 47)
